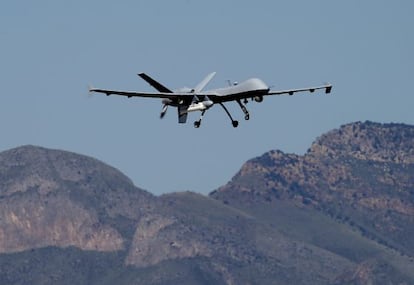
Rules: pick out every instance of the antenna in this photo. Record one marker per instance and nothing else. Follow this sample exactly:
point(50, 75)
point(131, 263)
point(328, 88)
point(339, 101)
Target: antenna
point(230, 83)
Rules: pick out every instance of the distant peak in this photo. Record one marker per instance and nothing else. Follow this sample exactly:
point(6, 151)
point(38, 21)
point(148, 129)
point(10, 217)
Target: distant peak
point(368, 140)
point(49, 166)
point(27, 147)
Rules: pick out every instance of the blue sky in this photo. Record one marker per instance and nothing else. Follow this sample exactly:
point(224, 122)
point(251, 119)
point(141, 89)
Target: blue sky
point(51, 50)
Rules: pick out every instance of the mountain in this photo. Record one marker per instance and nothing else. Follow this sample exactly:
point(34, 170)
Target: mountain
point(352, 194)
point(67, 218)
point(340, 214)
point(57, 198)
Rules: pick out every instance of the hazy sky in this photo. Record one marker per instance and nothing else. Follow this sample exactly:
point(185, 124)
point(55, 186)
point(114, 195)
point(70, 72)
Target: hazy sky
point(51, 50)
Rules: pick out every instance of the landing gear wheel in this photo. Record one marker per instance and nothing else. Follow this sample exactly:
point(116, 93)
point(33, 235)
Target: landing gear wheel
point(196, 124)
point(235, 124)
point(247, 117)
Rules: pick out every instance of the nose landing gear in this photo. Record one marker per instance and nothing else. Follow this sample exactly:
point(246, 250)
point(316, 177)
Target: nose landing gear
point(244, 109)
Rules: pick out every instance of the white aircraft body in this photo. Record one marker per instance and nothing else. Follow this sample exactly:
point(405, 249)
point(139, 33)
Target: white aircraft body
point(188, 100)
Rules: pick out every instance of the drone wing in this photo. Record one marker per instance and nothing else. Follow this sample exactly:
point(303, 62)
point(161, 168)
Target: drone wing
point(257, 89)
point(130, 94)
point(327, 87)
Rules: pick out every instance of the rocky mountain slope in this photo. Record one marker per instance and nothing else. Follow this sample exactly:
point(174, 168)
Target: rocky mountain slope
point(340, 214)
point(354, 185)
point(56, 198)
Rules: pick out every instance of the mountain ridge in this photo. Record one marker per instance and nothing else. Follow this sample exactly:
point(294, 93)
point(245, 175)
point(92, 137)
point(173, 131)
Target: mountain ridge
point(339, 179)
point(340, 214)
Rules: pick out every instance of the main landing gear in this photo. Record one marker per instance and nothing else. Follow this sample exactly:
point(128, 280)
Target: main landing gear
point(244, 109)
point(233, 122)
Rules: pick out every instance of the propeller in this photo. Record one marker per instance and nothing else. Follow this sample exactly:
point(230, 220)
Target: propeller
point(163, 111)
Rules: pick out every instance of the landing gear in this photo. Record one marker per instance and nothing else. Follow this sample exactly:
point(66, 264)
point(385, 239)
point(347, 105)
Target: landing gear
point(233, 122)
point(244, 109)
point(198, 123)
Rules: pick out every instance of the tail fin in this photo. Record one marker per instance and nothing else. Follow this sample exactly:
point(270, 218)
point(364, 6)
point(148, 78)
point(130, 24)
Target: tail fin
point(182, 113)
point(204, 83)
point(154, 83)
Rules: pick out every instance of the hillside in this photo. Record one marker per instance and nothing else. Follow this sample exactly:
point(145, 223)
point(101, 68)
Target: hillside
point(340, 214)
point(351, 193)
point(57, 198)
